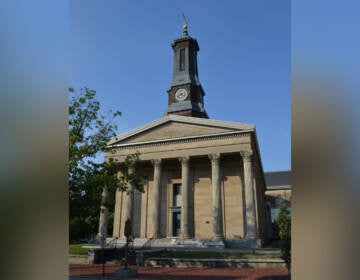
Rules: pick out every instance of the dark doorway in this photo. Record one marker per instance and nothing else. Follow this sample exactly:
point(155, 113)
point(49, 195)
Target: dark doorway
point(176, 222)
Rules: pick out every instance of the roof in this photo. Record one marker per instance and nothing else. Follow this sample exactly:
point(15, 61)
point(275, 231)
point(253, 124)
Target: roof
point(278, 179)
point(171, 129)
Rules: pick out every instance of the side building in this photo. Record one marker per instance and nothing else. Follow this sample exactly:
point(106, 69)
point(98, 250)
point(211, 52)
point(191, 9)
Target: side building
point(278, 191)
point(205, 181)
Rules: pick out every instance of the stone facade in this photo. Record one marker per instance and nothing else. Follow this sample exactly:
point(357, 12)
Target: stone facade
point(278, 191)
point(215, 164)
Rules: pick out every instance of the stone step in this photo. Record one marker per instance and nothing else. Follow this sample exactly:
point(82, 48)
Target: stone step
point(210, 263)
point(186, 243)
point(138, 243)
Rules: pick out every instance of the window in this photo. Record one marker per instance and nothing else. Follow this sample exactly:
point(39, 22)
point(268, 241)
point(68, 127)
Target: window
point(182, 60)
point(176, 195)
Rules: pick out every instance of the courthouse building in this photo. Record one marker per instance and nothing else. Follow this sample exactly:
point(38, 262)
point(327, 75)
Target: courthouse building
point(205, 179)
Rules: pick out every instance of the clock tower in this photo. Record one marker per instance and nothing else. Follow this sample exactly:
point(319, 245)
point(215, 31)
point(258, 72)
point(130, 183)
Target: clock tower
point(186, 95)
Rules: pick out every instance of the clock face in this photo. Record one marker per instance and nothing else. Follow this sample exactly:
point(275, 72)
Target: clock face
point(181, 94)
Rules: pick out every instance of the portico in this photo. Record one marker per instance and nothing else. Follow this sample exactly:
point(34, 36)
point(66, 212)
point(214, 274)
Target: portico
point(212, 181)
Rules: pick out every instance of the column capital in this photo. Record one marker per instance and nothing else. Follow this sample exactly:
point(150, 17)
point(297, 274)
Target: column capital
point(184, 160)
point(215, 158)
point(156, 162)
point(246, 155)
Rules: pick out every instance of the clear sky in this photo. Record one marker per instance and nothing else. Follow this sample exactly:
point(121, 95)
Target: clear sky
point(122, 49)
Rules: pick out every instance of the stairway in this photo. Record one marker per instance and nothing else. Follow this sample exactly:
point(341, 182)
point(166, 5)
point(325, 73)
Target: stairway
point(186, 243)
point(142, 243)
point(114, 242)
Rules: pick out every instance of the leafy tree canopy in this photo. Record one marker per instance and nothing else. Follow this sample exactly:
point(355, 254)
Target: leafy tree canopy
point(89, 133)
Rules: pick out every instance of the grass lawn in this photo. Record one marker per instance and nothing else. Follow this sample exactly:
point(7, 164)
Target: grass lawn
point(76, 249)
point(219, 255)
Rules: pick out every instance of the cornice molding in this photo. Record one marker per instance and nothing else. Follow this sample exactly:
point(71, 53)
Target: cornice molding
point(187, 139)
point(181, 119)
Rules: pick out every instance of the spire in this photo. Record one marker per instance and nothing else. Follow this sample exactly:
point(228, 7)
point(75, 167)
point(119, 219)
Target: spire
point(185, 27)
point(185, 94)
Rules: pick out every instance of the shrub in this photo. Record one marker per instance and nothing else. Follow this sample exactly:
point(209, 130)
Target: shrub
point(284, 224)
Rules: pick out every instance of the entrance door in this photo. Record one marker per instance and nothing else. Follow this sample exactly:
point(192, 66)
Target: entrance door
point(176, 222)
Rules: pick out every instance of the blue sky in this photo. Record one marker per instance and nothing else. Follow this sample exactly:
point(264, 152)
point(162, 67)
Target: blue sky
point(122, 49)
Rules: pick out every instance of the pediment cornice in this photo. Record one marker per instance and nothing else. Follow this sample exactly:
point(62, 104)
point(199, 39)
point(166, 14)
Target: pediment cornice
point(180, 140)
point(228, 128)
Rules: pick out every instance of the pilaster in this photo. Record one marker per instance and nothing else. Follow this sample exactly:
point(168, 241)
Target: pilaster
point(157, 197)
point(185, 179)
point(216, 196)
point(251, 230)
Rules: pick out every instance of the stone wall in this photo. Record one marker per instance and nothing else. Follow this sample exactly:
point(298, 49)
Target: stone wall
point(200, 200)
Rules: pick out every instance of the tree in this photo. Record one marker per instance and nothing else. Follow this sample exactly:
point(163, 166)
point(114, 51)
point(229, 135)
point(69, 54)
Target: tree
point(89, 133)
point(284, 224)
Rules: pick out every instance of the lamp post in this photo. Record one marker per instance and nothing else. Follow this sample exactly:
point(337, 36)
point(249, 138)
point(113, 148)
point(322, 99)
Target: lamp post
point(127, 233)
point(102, 243)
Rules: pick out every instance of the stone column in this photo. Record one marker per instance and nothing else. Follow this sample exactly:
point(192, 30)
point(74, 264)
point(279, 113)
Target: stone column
point(250, 214)
point(216, 196)
point(129, 212)
point(157, 198)
point(104, 214)
point(185, 170)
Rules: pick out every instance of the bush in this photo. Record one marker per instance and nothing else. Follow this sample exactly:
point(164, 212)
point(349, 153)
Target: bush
point(78, 228)
point(284, 224)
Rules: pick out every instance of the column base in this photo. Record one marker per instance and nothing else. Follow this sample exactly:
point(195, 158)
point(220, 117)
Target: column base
point(251, 236)
point(186, 236)
point(219, 237)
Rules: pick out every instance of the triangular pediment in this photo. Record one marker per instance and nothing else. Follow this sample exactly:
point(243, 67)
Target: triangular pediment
point(173, 127)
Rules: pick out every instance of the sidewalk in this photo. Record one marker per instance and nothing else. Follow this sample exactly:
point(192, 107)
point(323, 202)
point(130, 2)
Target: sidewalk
point(90, 271)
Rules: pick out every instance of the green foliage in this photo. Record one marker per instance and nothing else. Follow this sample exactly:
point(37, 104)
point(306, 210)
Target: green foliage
point(284, 224)
point(78, 226)
point(136, 179)
point(77, 249)
point(89, 133)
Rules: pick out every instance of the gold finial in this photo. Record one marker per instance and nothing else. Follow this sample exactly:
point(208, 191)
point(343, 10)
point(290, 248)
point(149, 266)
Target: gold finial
point(185, 26)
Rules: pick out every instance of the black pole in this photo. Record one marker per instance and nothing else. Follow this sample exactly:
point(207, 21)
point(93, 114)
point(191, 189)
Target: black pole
point(127, 233)
point(103, 261)
point(126, 253)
